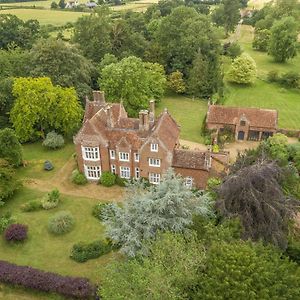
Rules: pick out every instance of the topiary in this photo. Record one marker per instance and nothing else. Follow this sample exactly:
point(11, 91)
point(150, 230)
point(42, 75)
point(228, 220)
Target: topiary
point(53, 140)
point(16, 233)
point(48, 166)
point(78, 178)
point(32, 205)
point(108, 179)
point(60, 223)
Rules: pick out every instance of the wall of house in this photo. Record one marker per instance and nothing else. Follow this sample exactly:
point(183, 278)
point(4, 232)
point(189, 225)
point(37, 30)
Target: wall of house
point(200, 176)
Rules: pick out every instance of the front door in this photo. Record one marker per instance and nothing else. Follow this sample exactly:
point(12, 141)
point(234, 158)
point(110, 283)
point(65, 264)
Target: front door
point(241, 135)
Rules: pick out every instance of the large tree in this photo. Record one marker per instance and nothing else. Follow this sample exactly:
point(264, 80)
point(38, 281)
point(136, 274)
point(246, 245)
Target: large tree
point(283, 40)
point(170, 206)
point(41, 107)
point(134, 82)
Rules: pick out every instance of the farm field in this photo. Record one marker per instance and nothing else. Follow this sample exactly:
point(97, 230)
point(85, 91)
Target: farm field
point(44, 4)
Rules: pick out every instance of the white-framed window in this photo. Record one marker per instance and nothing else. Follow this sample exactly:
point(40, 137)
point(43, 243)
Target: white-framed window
point(113, 169)
point(92, 172)
point(91, 153)
point(125, 172)
point(154, 162)
point(207, 161)
point(136, 157)
point(189, 182)
point(154, 178)
point(154, 147)
point(123, 156)
point(112, 154)
point(137, 173)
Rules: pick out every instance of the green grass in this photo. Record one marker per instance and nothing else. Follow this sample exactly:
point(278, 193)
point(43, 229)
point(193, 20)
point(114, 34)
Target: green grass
point(45, 16)
point(44, 4)
point(49, 252)
point(188, 113)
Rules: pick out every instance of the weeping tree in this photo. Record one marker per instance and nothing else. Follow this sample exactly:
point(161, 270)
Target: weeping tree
point(169, 206)
point(254, 194)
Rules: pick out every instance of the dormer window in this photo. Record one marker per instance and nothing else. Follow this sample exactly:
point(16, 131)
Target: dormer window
point(154, 147)
point(243, 123)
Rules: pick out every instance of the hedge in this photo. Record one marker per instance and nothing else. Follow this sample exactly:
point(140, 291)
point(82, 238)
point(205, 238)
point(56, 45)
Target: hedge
point(28, 277)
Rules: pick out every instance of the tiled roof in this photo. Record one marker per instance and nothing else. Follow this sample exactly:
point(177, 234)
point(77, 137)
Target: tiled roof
point(189, 159)
point(220, 114)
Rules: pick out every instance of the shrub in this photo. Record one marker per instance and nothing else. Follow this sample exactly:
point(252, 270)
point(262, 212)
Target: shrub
point(53, 140)
point(60, 223)
point(108, 179)
point(99, 208)
point(290, 79)
point(16, 233)
point(78, 178)
point(121, 181)
point(48, 166)
point(73, 287)
point(51, 200)
point(82, 252)
point(5, 221)
point(273, 76)
point(234, 50)
point(32, 205)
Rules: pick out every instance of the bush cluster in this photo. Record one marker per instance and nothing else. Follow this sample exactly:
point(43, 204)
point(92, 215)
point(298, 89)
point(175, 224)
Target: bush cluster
point(53, 140)
point(289, 80)
point(82, 252)
point(73, 287)
point(78, 178)
point(32, 205)
point(99, 208)
point(5, 220)
point(60, 223)
point(51, 200)
point(108, 179)
point(16, 233)
point(121, 181)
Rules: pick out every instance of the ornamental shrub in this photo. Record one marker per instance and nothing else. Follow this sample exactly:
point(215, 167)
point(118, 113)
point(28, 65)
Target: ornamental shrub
point(82, 252)
point(121, 181)
point(27, 277)
point(32, 205)
point(78, 178)
point(53, 140)
point(5, 221)
point(108, 179)
point(60, 223)
point(51, 200)
point(273, 76)
point(48, 166)
point(16, 233)
point(290, 79)
point(99, 209)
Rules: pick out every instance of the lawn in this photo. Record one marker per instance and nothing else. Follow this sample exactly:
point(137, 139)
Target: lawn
point(188, 113)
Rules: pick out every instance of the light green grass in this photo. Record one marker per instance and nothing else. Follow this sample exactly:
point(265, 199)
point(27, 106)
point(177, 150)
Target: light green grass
point(49, 252)
point(188, 113)
point(44, 4)
point(45, 16)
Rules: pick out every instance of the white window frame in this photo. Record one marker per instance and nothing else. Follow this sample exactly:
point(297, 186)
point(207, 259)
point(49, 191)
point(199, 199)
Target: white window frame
point(90, 153)
point(189, 181)
point(112, 154)
point(113, 169)
point(154, 178)
point(154, 162)
point(125, 172)
point(92, 172)
point(137, 173)
point(136, 157)
point(154, 147)
point(123, 156)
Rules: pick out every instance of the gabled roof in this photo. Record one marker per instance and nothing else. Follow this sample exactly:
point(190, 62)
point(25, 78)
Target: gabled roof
point(219, 114)
point(188, 159)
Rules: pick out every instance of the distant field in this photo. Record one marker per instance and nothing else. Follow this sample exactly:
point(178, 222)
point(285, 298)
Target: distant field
point(44, 16)
point(44, 3)
point(258, 4)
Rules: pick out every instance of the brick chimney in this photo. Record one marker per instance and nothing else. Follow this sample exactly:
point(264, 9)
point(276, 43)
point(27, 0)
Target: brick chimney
point(144, 123)
point(99, 97)
point(109, 118)
point(152, 110)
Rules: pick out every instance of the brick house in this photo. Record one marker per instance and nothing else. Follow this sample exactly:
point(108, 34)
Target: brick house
point(252, 124)
point(138, 147)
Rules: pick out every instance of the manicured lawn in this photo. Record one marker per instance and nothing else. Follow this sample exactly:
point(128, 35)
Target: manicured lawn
point(188, 113)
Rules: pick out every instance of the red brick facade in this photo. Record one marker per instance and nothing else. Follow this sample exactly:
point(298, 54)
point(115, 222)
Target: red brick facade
point(143, 147)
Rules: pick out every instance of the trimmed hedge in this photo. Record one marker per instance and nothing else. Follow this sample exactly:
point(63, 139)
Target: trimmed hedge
point(75, 287)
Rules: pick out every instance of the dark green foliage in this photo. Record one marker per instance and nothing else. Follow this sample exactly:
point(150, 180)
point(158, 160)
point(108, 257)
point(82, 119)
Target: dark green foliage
point(121, 181)
point(83, 252)
point(61, 223)
point(48, 166)
point(100, 208)
point(54, 140)
point(5, 220)
point(261, 40)
point(290, 79)
point(226, 135)
point(108, 179)
point(273, 76)
point(232, 50)
point(78, 178)
point(54, 5)
point(32, 205)
point(10, 149)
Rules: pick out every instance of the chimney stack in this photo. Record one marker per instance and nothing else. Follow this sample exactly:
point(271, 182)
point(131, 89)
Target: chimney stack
point(152, 110)
point(109, 117)
point(144, 120)
point(99, 97)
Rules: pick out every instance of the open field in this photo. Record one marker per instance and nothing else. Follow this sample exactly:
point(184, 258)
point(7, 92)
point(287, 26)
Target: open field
point(258, 4)
point(44, 4)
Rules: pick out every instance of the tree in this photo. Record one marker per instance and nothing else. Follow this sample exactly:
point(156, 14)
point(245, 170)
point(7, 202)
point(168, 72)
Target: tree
point(261, 40)
point(63, 63)
point(62, 4)
point(54, 5)
point(245, 270)
point(134, 82)
point(168, 207)
point(176, 82)
point(283, 40)
point(243, 70)
point(255, 195)
point(11, 149)
point(41, 107)
point(17, 33)
point(167, 273)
